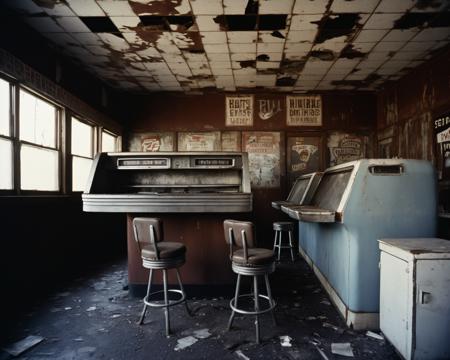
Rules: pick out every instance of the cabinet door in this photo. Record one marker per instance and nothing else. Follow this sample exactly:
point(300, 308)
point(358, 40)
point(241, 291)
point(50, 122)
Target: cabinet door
point(432, 310)
point(394, 292)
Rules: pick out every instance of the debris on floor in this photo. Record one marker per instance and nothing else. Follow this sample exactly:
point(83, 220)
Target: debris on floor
point(374, 335)
point(320, 351)
point(202, 334)
point(241, 355)
point(185, 342)
point(23, 345)
point(285, 341)
point(344, 349)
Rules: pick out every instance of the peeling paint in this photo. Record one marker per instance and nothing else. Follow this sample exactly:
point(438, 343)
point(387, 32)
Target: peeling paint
point(162, 7)
point(350, 53)
point(325, 55)
point(263, 57)
point(285, 81)
point(248, 64)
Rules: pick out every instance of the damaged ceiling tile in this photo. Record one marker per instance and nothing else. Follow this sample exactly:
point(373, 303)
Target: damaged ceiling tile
point(305, 22)
point(243, 57)
point(308, 7)
point(125, 23)
point(216, 48)
point(381, 21)
point(213, 37)
point(272, 36)
point(301, 36)
point(270, 48)
point(240, 48)
point(242, 37)
point(208, 23)
point(116, 8)
point(275, 6)
point(240, 7)
point(207, 7)
point(370, 35)
point(354, 6)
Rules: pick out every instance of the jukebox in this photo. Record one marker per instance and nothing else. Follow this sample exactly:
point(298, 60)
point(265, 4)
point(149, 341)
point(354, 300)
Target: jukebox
point(356, 204)
point(191, 192)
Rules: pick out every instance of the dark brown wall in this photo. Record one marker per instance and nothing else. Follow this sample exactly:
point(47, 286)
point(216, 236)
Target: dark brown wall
point(344, 112)
point(406, 111)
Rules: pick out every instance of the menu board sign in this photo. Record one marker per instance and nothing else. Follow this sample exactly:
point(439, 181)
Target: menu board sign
point(442, 132)
point(199, 141)
point(239, 110)
point(304, 110)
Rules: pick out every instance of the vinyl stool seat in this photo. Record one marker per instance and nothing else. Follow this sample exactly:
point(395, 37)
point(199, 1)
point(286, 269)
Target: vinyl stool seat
point(279, 227)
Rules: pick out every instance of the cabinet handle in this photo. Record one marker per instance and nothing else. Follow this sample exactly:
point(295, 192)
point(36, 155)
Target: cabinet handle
point(425, 297)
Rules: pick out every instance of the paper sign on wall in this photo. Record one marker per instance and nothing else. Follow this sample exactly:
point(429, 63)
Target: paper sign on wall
point(239, 110)
point(304, 110)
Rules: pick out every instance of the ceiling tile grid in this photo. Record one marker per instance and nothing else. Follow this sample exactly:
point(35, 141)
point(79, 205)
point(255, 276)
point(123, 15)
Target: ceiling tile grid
point(238, 45)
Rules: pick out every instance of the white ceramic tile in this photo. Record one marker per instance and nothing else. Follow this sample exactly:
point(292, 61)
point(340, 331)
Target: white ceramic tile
point(383, 46)
point(310, 7)
point(433, 34)
point(207, 7)
point(301, 36)
point(72, 24)
point(370, 35)
point(355, 6)
point(235, 7)
point(213, 37)
point(275, 6)
point(216, 48)
point(207, 23)
point(381, 21)
point(267, 37)
point(242, 37)
point(43, 24)
point(304, 22)
point(240, 48)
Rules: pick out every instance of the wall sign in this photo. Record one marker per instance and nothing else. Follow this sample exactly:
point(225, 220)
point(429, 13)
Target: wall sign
point(442, 133)
point(151, 141)
point(264, 158)
point(345, 147)
point(199, 141)
point(268, 108)
point(239, 110)
point(231, 141)
point(304, 110)
point(303, 156)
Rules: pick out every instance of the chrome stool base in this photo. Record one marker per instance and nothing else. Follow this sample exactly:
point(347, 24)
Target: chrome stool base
point(279, 227)
point(166, 303)
point(234, 303)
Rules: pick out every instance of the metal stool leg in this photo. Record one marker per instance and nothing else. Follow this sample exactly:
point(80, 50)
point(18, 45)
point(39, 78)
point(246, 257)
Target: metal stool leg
point(236, 296)
point(292, 246)
point(166, 302)
point(149, 285)
point(269, 294)
point(184, 294)
point(275, 243)
point(279, 243)
point(256, 293)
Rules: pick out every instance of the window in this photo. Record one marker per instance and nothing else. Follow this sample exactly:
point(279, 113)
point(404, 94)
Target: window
point(82, 153)
point(6, 144)
point(39, 154)
point(109, 142)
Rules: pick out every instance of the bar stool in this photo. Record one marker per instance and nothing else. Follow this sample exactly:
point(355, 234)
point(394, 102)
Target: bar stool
point(249, 261)
point(279, 227)
point(159, 255)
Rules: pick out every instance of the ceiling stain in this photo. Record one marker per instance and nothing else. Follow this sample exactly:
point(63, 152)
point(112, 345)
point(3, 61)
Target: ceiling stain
point(162, 7)
point(248, 64)
point(285, 81)
point(263, 57)
point(428, 4)
point(292, 66)
point(336, 25)
point(350, 53)
point(325, 55)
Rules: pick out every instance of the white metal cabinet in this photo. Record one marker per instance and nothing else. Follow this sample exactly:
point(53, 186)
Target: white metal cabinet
point(415, 296)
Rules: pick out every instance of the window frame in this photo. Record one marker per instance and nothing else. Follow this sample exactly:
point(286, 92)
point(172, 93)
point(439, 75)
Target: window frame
point(12, 130)
point(106, 131)
point(94, 146)
point(59, 115)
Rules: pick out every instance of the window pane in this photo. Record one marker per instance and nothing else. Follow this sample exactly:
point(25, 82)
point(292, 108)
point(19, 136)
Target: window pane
point(81, 138)
point(80, 172)
point(4, 108)
point(38, 168)
point(108, 142)
point(37, 120)
point(6, 178)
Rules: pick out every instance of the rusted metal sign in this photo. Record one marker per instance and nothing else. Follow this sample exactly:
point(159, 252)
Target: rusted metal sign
point(264, 158)
point(151, 141)
point(199, 141)
point(345, 147)
point(442, 132)
point(239, 110)
point(304, 110)
point(303, 156)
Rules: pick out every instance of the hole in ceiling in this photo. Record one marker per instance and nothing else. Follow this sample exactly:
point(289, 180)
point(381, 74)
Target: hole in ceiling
point(263, 57)
point(292, 66)
point(101, 24)
point(325, 55)
point(252, 7)
point(350, 53)
point(241, 22)
point(285, 81)
point(426, 4)
point(412, 20)
point(248, 64)
point(336, 25)
point(442, 20)
point(154, 22)
point(272, 22)
point(277, 34)
point(184, 21)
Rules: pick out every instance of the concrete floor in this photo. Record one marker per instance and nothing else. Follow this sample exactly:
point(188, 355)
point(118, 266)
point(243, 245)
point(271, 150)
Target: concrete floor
point(95, 318)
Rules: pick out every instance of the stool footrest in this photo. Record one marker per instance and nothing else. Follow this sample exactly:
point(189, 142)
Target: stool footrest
point(158, 304)
point(246, 312)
